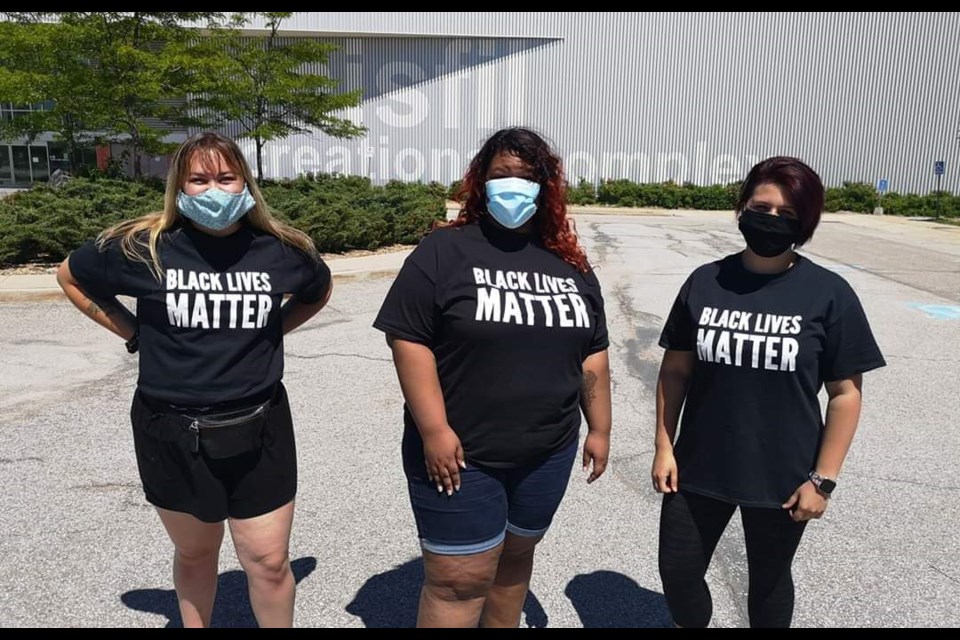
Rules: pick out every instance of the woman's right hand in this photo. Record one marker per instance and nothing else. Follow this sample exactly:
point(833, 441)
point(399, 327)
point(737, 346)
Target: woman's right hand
point(444, 458)
point(109, 313)
point(664, 472)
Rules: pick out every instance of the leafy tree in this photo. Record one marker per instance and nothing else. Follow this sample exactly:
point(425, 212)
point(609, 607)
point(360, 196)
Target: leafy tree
point(267, 87)
point(33, 71)
point(109, 76)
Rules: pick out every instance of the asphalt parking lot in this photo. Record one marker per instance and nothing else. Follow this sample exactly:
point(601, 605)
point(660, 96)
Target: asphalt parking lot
point(79, 546)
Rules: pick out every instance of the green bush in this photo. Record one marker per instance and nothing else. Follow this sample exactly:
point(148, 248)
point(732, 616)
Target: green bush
point(44, 224)
point(454, 189)
point(669, 195)
point(909, 204)
point(857, 197)
point(716, 197)
point(583, 193)
point(343, 212)
point(622, 193)
point(339, 212)
point(666, 195)
point(905, 205)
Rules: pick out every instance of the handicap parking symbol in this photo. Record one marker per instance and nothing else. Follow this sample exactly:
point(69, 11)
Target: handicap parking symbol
point(939, 311)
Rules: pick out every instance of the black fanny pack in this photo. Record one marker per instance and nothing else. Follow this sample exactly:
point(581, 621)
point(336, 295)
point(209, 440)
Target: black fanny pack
point(229, 433)
point(217, 434)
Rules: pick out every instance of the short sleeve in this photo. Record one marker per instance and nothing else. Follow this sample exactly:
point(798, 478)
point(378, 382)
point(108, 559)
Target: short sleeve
point(677, 334)
point(601, 339)
point(316, 280)
point(410, 308)
point(849, 346)
point(96, 268)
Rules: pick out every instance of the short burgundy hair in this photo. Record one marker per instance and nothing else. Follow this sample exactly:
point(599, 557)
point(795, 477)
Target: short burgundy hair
point(801, 186)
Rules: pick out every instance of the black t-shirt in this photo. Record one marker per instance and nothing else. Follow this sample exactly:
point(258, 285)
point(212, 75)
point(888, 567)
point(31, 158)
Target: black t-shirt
point(510, 324)
point(764, 345)
point(212, 330)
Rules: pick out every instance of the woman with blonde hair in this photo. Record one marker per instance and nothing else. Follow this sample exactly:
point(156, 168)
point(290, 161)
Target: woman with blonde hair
point(212, 427)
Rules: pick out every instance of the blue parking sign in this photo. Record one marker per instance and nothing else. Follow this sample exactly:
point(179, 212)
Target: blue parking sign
point(882, 185)
point(938, 167)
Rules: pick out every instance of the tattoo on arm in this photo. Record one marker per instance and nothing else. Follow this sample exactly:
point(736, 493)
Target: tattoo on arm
point(105, 308)
point(588, 389)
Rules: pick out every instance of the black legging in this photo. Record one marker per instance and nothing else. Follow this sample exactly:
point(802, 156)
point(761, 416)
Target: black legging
point(690, 528)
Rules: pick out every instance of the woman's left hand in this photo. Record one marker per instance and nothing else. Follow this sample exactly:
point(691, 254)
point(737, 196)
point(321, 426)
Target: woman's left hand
point(806, 503)
point(596, 448)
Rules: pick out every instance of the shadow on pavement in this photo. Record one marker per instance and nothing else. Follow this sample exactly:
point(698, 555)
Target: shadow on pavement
point(231, 608)
point(389, 600)
point(607, 599)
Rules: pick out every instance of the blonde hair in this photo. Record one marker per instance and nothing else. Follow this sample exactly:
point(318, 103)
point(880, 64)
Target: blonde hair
point(140, 237)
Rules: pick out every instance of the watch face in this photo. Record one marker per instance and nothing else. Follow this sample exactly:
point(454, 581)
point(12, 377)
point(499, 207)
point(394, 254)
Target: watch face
point(827, 486)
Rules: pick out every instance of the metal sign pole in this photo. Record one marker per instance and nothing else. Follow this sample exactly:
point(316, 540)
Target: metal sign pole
point(939, 167)
point(938, 195)
point(881, 189)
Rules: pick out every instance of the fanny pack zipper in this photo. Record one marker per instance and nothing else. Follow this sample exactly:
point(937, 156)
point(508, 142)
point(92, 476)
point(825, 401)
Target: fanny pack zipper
point(194, 426)
point(207, 423)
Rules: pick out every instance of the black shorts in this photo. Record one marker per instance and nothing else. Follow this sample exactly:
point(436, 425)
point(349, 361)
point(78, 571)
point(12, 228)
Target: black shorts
point(244, 486)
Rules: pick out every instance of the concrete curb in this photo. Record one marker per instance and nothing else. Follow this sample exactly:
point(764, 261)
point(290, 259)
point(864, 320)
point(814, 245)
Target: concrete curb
point(40, 287)
point(32, 288)
point(55, 293)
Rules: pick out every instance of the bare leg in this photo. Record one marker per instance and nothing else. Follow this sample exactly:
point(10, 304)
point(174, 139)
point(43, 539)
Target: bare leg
point(455, 588)
point(195, 564)
point(263, 548)
point(504, 603)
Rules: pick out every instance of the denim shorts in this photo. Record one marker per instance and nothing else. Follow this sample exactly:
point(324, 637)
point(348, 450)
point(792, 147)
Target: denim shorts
point(490, 502)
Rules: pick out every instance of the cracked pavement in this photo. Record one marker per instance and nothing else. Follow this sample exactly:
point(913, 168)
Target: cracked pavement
point(79, 547)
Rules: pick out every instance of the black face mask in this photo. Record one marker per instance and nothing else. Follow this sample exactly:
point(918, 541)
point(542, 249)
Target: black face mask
point(768, 235)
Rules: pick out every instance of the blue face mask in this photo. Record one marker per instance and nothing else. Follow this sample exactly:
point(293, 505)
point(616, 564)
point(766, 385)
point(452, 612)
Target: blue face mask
point(512, 201)
point(215, 208)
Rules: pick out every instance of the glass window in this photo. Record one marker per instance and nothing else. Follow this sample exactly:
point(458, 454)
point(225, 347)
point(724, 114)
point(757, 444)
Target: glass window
point(21, 164)
point(39, 164)
point(59, 157)
point(6, 169)
point(88, 157)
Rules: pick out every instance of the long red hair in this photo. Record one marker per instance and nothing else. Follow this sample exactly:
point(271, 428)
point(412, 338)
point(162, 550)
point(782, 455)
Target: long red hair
point(551, 223)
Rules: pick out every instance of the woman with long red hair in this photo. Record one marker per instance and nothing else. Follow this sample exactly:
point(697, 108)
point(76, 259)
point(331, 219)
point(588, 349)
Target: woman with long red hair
point(499, 338)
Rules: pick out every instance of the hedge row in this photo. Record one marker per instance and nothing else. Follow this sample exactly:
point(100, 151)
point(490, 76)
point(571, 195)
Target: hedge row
point(340, 213)
point(852, 196)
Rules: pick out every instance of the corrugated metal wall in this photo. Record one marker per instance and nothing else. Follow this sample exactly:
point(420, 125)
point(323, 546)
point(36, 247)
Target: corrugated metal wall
point(695, 97)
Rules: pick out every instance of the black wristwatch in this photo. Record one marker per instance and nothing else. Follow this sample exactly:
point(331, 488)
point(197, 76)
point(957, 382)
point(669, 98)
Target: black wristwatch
point(133, 343)
point(822, 483)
